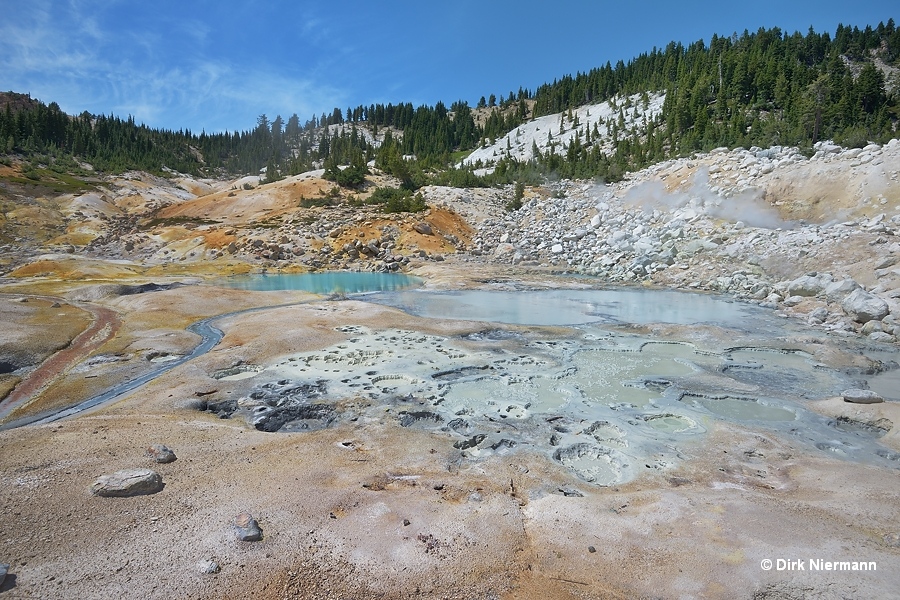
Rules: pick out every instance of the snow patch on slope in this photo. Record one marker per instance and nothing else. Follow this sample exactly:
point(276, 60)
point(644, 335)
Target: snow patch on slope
point(557, 130)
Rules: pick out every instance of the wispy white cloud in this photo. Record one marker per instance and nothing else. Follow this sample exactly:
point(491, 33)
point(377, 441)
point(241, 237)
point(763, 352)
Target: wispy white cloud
point(33, 42)
point(73, 59)
point(216, 97)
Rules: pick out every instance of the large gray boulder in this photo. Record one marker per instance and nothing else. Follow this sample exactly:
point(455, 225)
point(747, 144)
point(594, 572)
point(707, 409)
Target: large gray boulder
point(128, 482)
point(865, 307)
point(837, 291)
point(808, 285)
point(857, 396)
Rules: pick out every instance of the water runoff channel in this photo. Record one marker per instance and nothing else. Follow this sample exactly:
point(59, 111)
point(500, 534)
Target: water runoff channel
point(556, 371)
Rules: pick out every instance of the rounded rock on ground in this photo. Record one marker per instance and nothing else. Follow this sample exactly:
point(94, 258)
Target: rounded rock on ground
point(818, 316)
point(160, 453)
point(881, 336)
point(793, 300)
point(246, 528)
point(128, 482)
point(4, 569)
point(837, 291)
point(865, 307)
point(208, 567)
point(423, 228)
point(861, 396)
point(808, 285)
point(871, 327)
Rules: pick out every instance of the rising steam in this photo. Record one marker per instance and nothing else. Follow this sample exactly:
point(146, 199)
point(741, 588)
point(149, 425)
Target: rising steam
point(747, 207)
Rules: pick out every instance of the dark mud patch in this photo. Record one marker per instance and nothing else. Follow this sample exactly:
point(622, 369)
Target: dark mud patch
point(454, 374)
point(130, 290)
point(888, 454)
point(864, 429)
point(471, 442)
point(297, 418)
point(494, 335)
point(7, 367)
point(421, 417)
point(236, 372)
point(279, 406)
point(223, 409)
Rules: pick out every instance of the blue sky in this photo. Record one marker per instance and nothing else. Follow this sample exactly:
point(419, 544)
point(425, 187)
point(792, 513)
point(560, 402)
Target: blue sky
point(217, 65)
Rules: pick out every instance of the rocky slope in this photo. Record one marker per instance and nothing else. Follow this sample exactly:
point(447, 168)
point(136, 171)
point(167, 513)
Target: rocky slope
point(813, 236)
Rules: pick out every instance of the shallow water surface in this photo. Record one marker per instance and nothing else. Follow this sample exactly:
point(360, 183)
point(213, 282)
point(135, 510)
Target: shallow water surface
point(574, 307)
point(329, 282)
point(746, 409)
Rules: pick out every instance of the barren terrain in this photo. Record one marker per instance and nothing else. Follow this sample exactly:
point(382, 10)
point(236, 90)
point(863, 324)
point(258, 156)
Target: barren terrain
point(369, 508)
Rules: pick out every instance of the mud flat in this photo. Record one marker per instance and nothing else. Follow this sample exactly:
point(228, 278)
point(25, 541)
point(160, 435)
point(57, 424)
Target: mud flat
point(636, 400)
point(385, 454)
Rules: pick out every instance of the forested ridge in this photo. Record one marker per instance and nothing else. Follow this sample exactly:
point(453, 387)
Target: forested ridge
point(763, 88)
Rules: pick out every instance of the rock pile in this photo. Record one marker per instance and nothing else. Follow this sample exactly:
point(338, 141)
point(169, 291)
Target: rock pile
point(714, 230)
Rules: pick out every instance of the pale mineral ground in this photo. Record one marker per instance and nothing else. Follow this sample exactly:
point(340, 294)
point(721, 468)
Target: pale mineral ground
point(537, 417)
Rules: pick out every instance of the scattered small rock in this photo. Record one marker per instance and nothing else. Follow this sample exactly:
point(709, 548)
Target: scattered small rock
point(246, 528)
point(678, 481)
point(793, 300)
point(591, 549)
point(208, 567)
point(127, 482)
point(4, 569)
point(818, 316)
point(423, 228)
point(861, 397)
point(160, 453)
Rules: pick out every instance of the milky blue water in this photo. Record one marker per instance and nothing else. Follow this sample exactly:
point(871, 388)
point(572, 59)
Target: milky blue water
point(576, 307)
point(330, 282)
